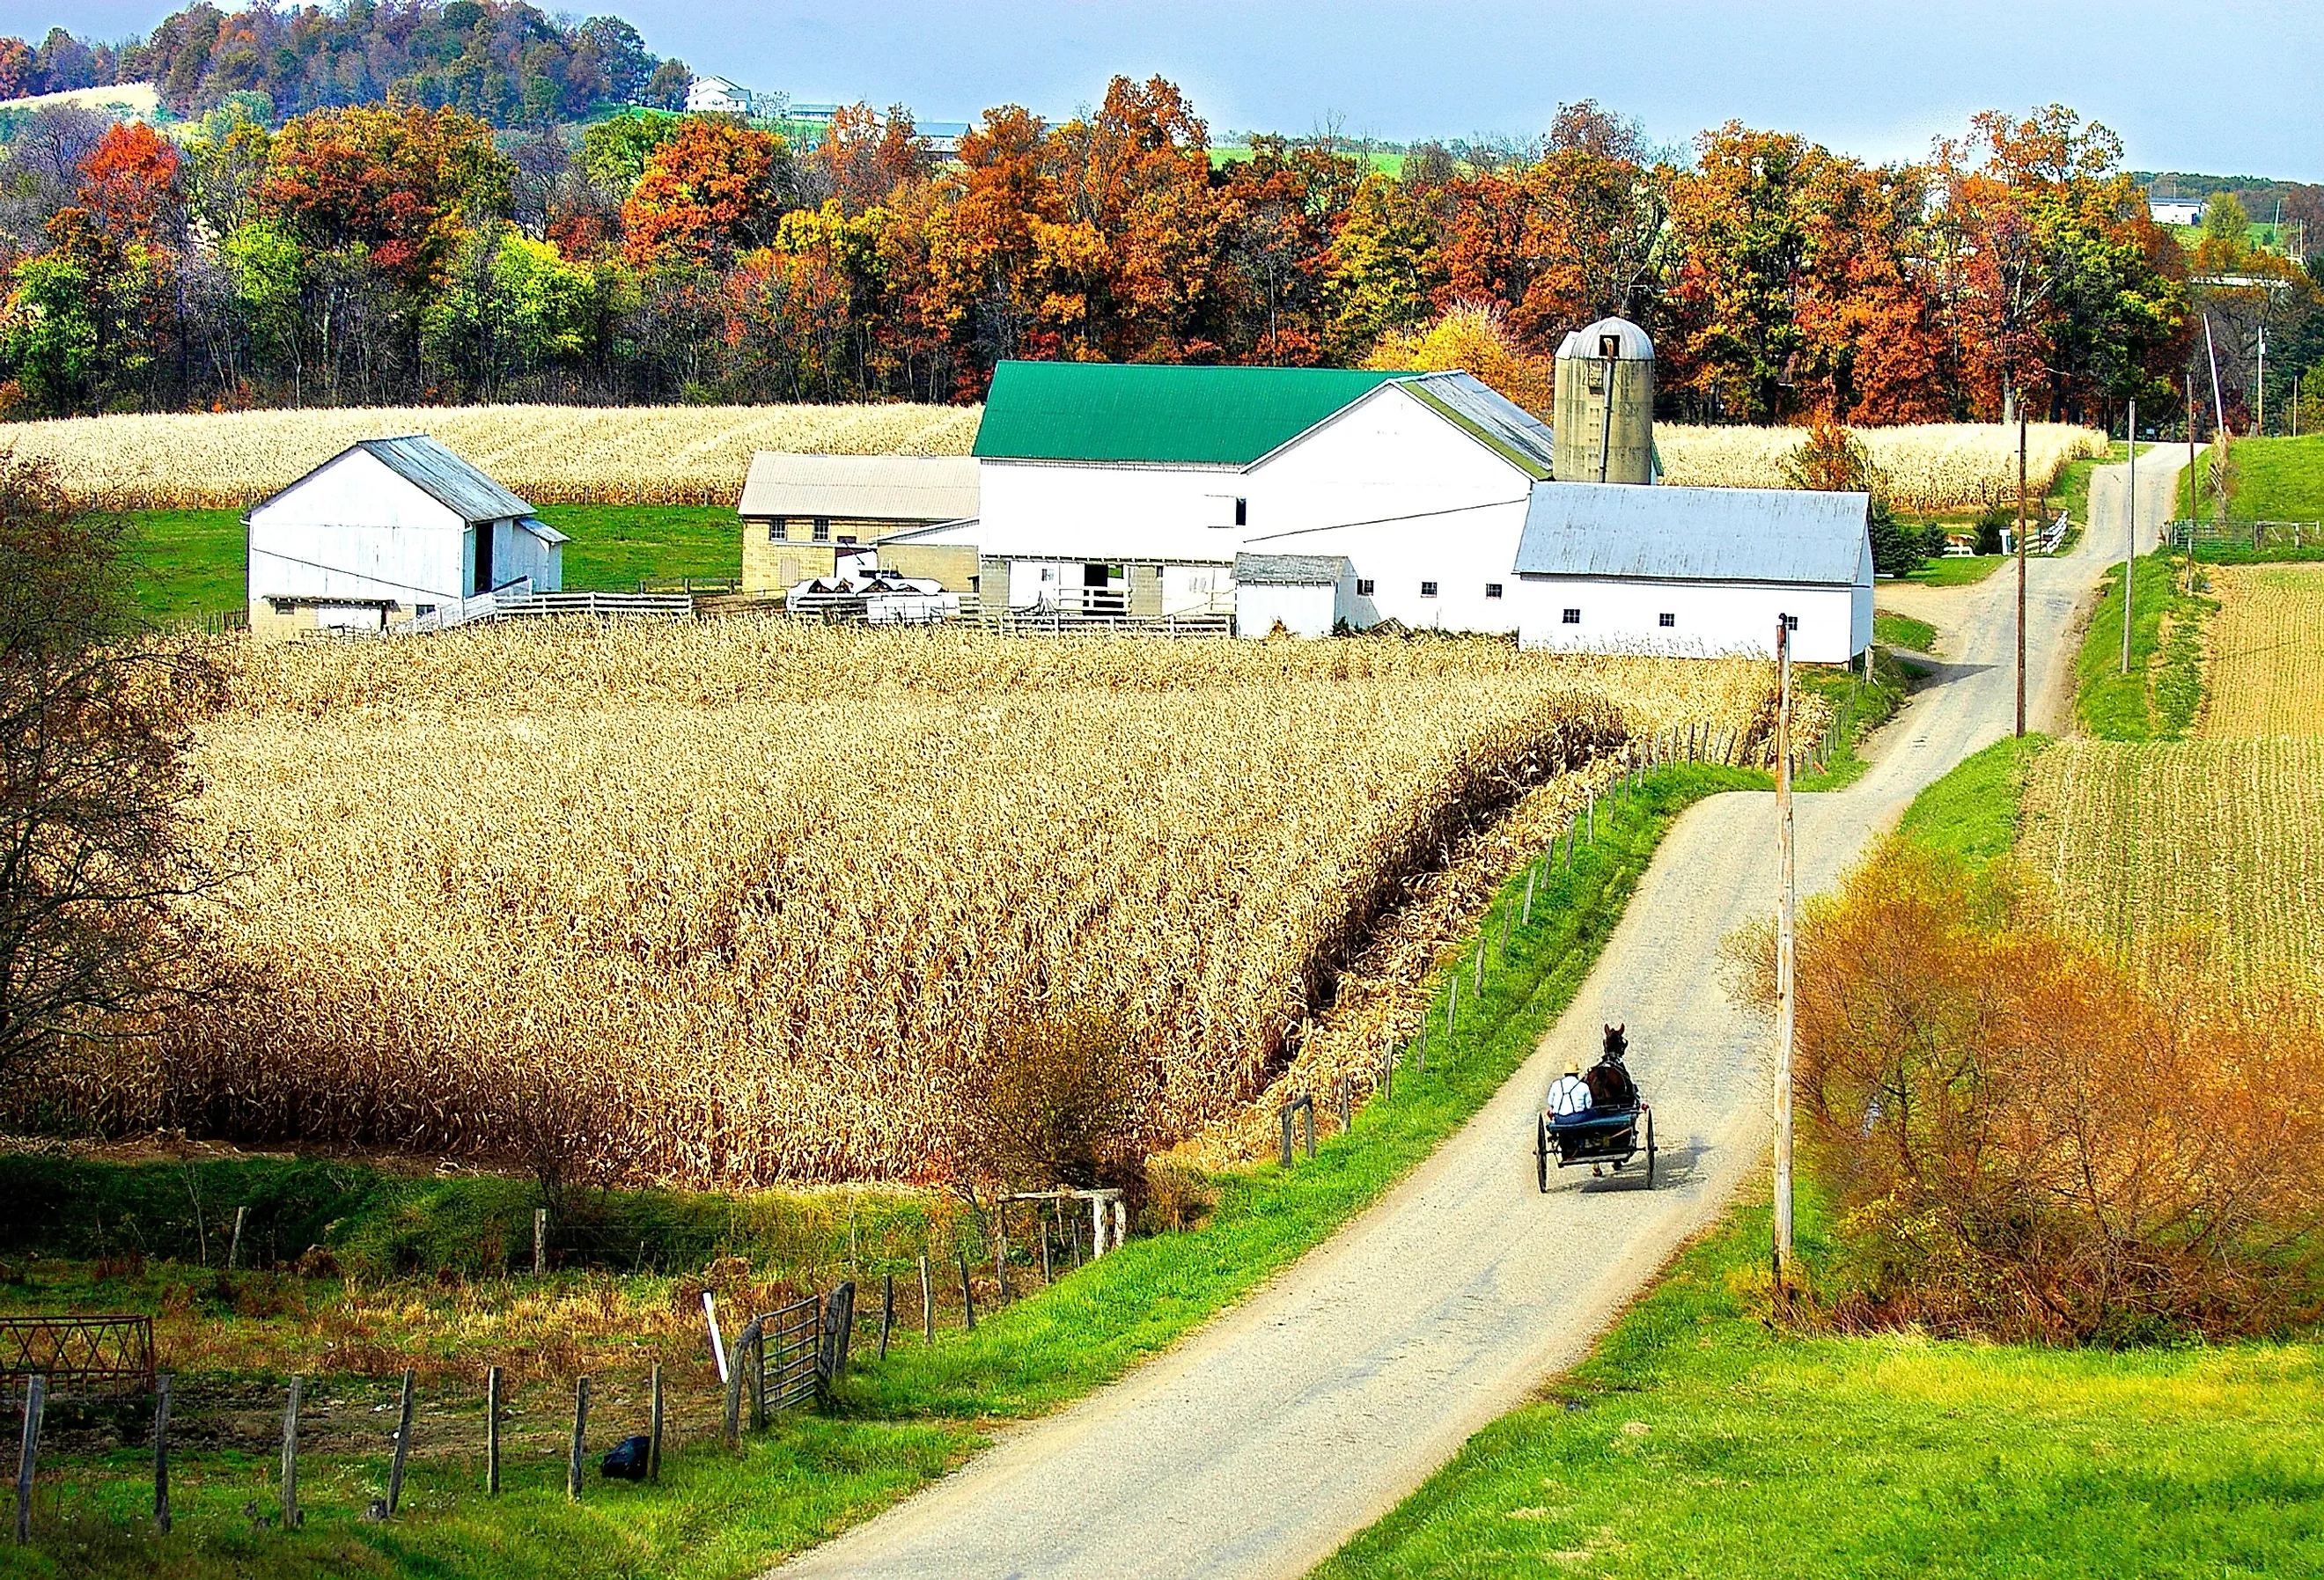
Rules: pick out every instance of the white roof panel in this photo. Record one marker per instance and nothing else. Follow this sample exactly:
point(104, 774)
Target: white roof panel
point(1785, 535)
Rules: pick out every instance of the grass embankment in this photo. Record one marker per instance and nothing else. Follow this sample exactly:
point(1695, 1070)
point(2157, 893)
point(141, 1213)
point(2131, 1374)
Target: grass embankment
point(2274, 480)
point(897, 1424)
point(190, 562)
point(1699, 1439)
point(2161, 694)
point(1860, 707)
point(1892, 630)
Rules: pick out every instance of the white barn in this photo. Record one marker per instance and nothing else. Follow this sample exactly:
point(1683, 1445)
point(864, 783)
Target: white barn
point(385, 529)
point(1601, 567)
point(1129, 491)
point(1314, 498)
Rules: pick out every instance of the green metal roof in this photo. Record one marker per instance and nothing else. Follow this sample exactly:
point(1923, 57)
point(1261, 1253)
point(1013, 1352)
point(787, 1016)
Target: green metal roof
point(1165, 412)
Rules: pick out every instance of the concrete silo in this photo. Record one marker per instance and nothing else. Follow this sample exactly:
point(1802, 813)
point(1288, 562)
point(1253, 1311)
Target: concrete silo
point(1605, 415)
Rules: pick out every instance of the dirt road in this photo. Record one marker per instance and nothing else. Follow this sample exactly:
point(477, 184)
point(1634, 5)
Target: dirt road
point(1269, 1437)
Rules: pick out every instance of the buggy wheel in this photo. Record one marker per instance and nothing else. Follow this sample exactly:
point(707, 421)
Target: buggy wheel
point(1650, 1148)
point(1541, 1153)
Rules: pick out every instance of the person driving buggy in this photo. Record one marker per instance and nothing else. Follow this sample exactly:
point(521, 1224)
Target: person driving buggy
point(1568, 1097)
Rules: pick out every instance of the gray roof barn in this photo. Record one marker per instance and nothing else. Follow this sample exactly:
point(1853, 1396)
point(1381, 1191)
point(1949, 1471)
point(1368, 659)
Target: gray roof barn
point(1289, 571)
point(1695, 535)
point(875, 488)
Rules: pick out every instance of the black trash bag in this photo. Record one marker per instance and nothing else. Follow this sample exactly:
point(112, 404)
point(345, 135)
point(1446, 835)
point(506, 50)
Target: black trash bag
point(626, 1460)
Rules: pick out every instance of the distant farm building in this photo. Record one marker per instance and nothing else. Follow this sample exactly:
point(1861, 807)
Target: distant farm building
point(802, 513)
point(388, 530)
point(718, 95)
point(2175, 210)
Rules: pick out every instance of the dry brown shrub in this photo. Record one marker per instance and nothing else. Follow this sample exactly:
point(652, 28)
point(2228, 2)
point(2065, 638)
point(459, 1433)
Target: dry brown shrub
point(2024, 1143)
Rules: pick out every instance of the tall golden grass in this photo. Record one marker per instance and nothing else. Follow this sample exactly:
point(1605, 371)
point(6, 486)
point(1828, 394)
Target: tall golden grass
point(691, 455)
point(740, 902)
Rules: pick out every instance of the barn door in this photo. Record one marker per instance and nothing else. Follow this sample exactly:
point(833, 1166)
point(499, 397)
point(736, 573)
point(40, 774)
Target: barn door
point(483, 557)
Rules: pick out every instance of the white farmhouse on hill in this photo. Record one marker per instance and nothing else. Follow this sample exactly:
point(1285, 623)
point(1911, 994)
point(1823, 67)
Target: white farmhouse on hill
point(1314, 498)
point(388, 529)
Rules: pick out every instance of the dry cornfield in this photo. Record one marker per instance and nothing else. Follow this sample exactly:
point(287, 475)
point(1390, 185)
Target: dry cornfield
point(2265, 670)
point(2203, 856)
point(653, 454)
point(739, 902)
point(699, 454)
point(1931, 468)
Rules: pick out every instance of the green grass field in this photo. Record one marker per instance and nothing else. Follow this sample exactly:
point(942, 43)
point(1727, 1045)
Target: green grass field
point(897, 1424)
point(2276, 480)
point(190, 562)
point(1699, 1439)
point(1956, 572)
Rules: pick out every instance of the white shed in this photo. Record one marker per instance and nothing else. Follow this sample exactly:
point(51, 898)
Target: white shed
point(1603, 567)
point(1304, 594)
point(387, 529)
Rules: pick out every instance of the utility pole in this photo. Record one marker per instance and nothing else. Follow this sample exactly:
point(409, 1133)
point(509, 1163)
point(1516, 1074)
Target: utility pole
point(1785, 966)
point(2021, 571)
point(2130, 536)
point(2194, 478)
point(2259, 421)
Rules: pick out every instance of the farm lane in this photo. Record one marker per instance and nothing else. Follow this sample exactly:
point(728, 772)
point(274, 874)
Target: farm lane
point(1266, 1439)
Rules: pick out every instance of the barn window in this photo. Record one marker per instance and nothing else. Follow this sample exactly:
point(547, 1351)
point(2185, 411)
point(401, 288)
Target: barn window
point(1492, 589)
point(1428, 589)
point(1242, 513)
point(1573, 617)
point(1667, 621)
point(822, 529)
point(1363, 587)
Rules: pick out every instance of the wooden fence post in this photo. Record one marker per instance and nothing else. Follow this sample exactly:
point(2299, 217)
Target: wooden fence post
point(928, 1303)
point(1452, 1004)
point(1347, 1105)
point(1121, 1215)
point(36, 1399)
point(492, 1429)
point(967, 1294)
point(402, 1446)
point(540, 1241)
point(1527, 921)
point(290, 1458)
point(887, 1310)
point(1048, 1226)
point(580, 1435)
point(653, 1429)
point(758, 1376)
point(162, 1454)
point(1000, 1253)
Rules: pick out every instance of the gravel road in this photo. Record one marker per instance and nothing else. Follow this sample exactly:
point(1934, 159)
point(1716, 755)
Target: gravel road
point(1266, 1438)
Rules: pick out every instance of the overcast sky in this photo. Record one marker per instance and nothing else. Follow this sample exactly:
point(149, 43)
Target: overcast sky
point(2226, 87)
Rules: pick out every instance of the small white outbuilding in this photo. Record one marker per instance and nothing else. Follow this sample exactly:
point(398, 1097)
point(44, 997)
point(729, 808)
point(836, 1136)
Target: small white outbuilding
point(388, 529)
point(1698, 572)
point(1307, 595)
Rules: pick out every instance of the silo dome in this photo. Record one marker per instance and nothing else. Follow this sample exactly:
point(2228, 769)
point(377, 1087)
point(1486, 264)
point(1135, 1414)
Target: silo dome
point(1605, 413)
point(1630, 343)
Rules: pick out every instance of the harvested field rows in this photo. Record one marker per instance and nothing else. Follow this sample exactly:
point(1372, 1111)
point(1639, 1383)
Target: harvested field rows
point(693, 455)
point(747, 901)
point(2202, 857)
point(2267, 669)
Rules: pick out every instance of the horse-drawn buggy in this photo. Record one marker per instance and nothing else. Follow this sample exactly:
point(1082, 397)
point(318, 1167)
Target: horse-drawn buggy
point(1598, 1119)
